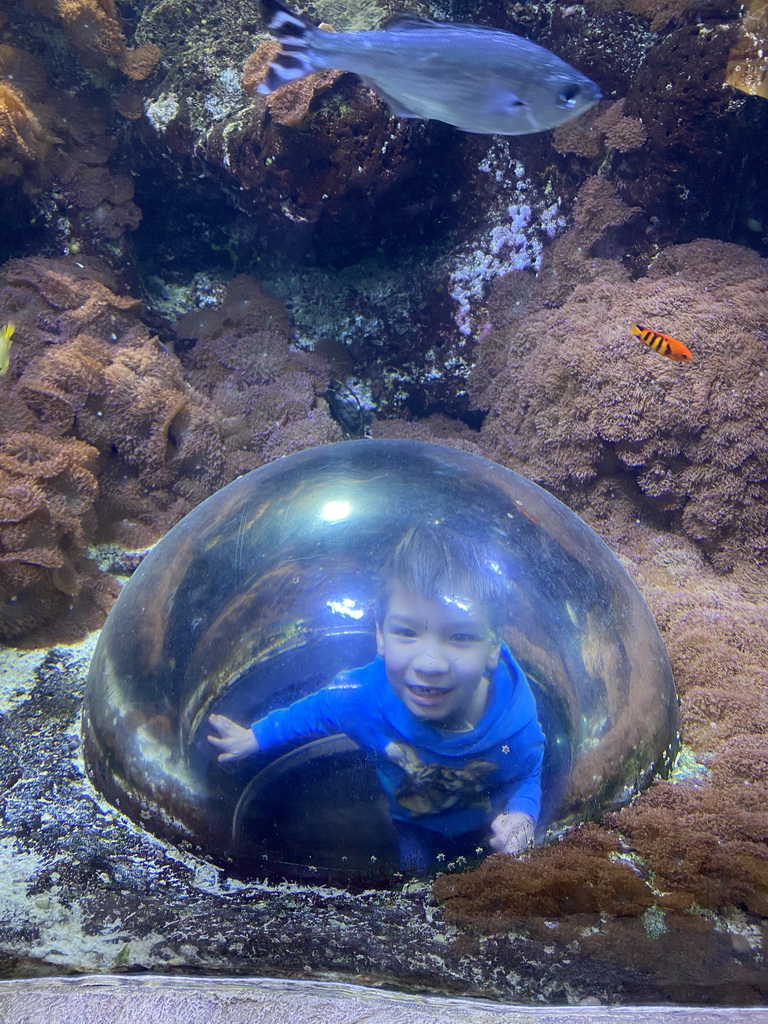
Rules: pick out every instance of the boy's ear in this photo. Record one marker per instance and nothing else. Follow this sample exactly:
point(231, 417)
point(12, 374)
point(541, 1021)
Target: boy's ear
point(493, 658)
point(379, 640)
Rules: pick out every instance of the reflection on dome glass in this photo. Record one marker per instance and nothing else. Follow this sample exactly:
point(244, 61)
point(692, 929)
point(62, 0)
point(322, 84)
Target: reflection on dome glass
point(371, 659)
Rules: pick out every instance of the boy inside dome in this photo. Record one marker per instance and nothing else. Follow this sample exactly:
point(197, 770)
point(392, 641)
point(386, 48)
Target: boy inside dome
point(444, 711)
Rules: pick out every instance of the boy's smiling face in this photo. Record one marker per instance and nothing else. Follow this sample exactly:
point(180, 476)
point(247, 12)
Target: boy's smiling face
point(438, 655)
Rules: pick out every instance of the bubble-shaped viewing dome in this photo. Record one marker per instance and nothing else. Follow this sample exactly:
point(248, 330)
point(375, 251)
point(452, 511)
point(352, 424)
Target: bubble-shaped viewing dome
point(271, 590)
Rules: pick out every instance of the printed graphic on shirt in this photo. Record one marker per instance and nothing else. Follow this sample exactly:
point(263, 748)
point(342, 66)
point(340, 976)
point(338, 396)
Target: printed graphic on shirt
point(431, 788)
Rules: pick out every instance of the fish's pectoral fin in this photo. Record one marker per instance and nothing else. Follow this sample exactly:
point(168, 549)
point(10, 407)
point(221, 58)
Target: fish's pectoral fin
point(395, 106)
point(511, 102)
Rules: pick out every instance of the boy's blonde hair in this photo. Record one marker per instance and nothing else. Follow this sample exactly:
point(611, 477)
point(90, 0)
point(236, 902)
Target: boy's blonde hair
point(438, 563)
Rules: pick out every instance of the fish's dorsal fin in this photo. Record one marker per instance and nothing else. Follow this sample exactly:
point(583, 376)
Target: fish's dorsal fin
point(408, 21)
point(405, 21)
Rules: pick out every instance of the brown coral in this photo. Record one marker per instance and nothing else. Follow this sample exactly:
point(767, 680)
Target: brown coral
point(704, 839)
point(582, 255)
point(20, 131)
point(47, 136)
point(574, 876)
point(621, 132)
point(161, 449)
point(139, 63)
point(268, 398)
point(608, 126)
point(589, 399)
point(257, 66)
point(25, 134)
point(86, 367)
point(705, 845)
point(47, 493)
point(93, 29)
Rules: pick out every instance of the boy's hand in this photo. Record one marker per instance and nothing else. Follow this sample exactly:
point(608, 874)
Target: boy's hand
point(232, 740)
point(511, 832)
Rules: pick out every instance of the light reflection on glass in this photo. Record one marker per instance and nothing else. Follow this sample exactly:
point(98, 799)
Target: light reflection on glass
point(335, 511)
point(346, 606)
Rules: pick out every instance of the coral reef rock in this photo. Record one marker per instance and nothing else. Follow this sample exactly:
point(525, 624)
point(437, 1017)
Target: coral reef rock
point(118, 440)
point(578, 398)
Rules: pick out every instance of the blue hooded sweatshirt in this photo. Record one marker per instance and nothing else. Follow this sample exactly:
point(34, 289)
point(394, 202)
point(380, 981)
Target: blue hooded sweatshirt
point(448, 782)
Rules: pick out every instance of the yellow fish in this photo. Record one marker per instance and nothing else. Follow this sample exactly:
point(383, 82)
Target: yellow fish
point(6, 340)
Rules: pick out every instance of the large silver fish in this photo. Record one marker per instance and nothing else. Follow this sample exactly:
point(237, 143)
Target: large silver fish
point(478, 79)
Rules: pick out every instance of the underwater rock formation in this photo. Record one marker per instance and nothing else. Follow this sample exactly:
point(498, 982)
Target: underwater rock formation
point(326, 178)
point(93, 29)
point(401, 265)
point(26, 135)
point(48, 491)
point(298, 189)
point(58, 123)
point(382, 235)
point(87, 377)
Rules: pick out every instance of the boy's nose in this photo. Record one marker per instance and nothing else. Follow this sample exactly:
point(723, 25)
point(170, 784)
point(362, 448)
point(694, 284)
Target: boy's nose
point(430, 660)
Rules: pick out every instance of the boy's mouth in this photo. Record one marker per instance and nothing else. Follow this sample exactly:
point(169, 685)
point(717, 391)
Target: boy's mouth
point(427, 694)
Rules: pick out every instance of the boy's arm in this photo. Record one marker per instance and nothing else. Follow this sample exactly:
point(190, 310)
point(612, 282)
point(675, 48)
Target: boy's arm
point(525, 747)
point(524, 794)
point(512, 830)
point(324, 713)
point(330, 710)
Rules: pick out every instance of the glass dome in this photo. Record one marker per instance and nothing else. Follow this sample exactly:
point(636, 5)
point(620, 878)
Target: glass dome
point(273, 586)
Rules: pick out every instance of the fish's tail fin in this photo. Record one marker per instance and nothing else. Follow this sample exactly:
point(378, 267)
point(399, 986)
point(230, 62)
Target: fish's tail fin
point(634, 329)
point(296, 58)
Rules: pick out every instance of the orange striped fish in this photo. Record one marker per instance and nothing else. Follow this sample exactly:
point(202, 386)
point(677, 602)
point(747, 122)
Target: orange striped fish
point(665, 344)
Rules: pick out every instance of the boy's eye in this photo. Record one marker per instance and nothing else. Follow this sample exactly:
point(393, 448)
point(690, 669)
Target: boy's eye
point(465, 638)
point(403, 631)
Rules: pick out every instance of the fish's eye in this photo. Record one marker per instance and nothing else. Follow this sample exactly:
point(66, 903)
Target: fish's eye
point(568, 97)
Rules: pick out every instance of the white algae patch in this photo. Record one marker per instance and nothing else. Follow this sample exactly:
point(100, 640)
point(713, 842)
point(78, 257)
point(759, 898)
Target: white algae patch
point(55, 931)
point(18, 669)
point(17, 675)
